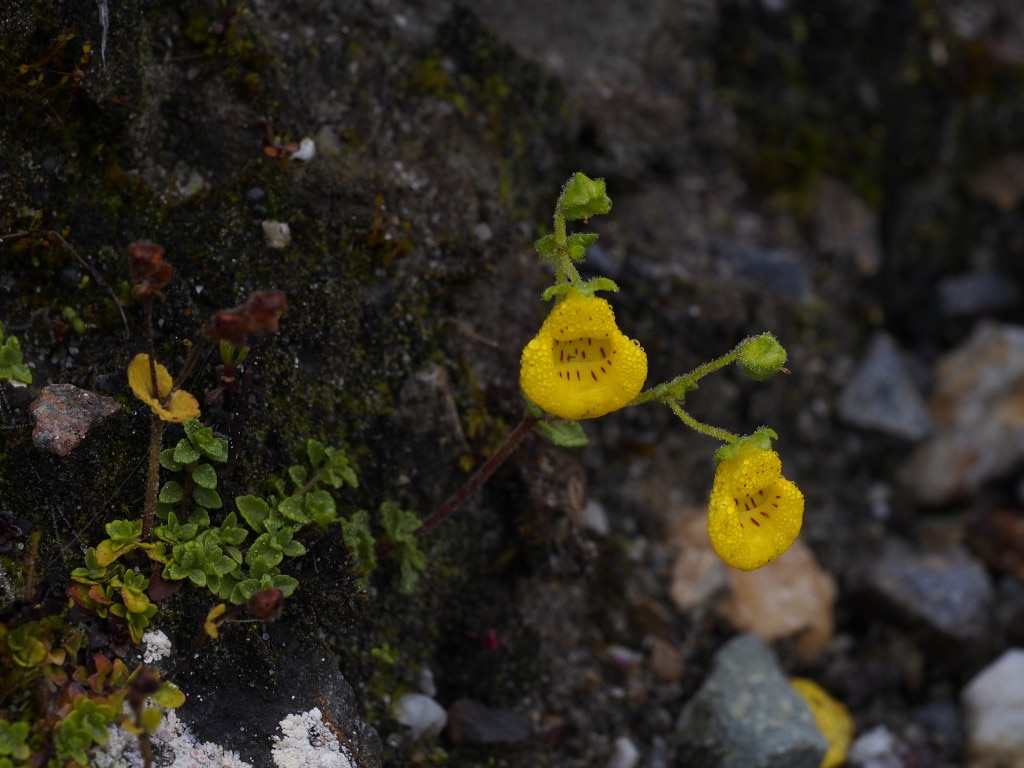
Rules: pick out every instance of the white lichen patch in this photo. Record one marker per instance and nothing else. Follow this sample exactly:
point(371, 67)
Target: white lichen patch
point(173, 746)
point(155, 646)
point(307, 742)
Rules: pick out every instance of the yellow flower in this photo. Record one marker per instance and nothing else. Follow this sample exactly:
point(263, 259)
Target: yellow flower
point(755, 513)
point(580, 365)
point(177, 405)
point(213, 620)
point(831, 717)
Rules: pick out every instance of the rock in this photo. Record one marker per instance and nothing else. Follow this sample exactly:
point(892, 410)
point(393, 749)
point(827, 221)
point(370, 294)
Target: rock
point(793, 597)
point(881, 395)
point(64, 415)
point(624, 754)
point(945, 595)
point(993, 704)
point(977, 293)
point(845, 226)
point(284, 674)
point(978, 408)
point(747, 715)
point(877, 748)
point(698, 574)
point(1000, 183)
point(470, 722)
point(772, 272)
point(666, 661)
point(997, 537)
point(422, 715)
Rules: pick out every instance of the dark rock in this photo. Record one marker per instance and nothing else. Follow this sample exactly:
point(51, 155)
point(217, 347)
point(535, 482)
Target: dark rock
point(881, 395)
point(772, 272)
point(945, 595)
point(64, 415)
point(747, 715)
point(977, 293)
point(283, 676)
point(470, 722)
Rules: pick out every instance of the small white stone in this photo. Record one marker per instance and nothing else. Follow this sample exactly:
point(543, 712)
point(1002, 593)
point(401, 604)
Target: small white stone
point(277, 233)
point(625, 754)
point(875, 749)
point(994, 709)
point(156, 646)
point(420, 714)
point(306, 150)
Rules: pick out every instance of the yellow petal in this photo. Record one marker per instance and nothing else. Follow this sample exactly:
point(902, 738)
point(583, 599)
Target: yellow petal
point(580, 365)
point(140, 379)
point(831, 717)
point(754, 513)
point(180, 406)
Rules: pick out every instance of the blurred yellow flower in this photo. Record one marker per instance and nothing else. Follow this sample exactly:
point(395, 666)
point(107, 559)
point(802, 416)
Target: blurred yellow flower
point(754, 513)
point(171, 404)
point(580, 365)
point(832, 718)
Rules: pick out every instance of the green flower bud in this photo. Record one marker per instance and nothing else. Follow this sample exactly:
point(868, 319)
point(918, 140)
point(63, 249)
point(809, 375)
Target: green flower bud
point(761, 357)
point(583, 197)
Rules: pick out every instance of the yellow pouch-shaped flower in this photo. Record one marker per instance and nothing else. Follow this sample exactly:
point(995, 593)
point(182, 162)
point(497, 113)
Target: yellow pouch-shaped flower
point(178, 406)
point(580, 365)
point(754, 513)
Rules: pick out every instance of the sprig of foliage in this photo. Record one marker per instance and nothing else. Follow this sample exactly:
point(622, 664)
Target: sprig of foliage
point(11, 365)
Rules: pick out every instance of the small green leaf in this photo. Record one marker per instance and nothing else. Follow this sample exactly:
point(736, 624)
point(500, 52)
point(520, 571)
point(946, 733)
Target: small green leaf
point(315, 452)
point(184, 453)
point(124, 531)
point(169, 696)
point(298, 474)
point(567, 434)
point(207, 498)
point(359, 540)
point(168, 462)
point(204, 476)
point(172, 492)
point(287, 584)
point(253, 510)
point(293, 508)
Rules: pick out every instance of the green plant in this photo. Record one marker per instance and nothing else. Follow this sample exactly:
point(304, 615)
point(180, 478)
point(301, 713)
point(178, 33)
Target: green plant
point(11, 365)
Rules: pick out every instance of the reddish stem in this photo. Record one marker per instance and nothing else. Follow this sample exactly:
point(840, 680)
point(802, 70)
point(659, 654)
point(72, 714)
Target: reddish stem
point(482, 474)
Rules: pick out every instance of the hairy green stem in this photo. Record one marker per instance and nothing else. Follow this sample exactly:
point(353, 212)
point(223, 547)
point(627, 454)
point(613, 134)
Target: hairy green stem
point(705, 429)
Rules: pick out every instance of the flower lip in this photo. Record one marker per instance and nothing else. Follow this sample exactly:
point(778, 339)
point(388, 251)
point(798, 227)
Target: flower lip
point(755, 513)
point(580, 365)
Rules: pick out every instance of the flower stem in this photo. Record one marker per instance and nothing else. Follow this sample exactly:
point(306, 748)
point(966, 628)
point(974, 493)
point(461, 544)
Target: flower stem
point(482, 474)
point(156, 436)
point(705, 429)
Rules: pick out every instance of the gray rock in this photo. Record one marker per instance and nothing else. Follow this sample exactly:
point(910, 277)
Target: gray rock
point(881, 395)
point(747, 715)
point(976, 405)
point(64, 415)
point(773, 272)
point(994, 709)
point(977, 293)
point(945, 595)
point(470, 722)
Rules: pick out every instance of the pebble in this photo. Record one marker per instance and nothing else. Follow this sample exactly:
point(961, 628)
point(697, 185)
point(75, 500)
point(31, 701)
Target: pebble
point(64, 415)
point(470, 722)
point(747, 715)
point(945, 594)
point(421, 714)
point(793, 597)
point(993, 703)
point(882, 396)
point(977, 293)
point(624, 754)
point(698, 574)
point(276, 233)
point(773, 272)
point(976, 405)
point(844, 225)
point(876, 748)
